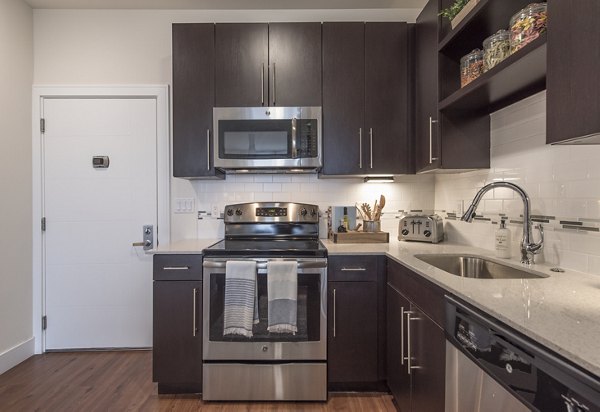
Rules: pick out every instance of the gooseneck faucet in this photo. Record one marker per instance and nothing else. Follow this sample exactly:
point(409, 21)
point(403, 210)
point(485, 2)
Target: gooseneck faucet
point(528, 247)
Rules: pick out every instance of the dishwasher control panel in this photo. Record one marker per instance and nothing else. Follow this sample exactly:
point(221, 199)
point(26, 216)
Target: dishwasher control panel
point(421, 228)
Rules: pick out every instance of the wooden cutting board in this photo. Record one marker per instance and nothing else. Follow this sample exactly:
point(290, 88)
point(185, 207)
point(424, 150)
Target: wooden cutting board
point(361, 237)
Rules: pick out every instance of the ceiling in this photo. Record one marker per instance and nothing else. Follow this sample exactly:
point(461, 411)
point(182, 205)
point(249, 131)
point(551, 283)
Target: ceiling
point(226, 4)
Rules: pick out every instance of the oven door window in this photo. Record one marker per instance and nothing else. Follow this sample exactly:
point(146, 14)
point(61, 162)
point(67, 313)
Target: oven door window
point(255, 139)
point(308, 321)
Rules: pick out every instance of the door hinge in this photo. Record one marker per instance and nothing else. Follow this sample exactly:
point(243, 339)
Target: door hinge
point(44, 322)
point(43, 224)
point(43, 125)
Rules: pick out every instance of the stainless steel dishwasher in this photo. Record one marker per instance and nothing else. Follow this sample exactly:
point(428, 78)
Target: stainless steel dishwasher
point(490, 367)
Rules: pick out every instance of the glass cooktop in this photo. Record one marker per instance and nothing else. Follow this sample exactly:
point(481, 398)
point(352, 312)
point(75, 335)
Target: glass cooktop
point(261, 247)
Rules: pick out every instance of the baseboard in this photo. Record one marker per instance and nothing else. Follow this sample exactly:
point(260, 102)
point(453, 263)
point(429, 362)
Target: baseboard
point(17, 354)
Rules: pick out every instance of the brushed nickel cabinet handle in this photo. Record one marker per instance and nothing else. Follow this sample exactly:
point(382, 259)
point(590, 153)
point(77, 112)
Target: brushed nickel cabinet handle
point(402, 335)
point(431, 122)
point(334, 314)
point(176, 268)
point(207, 149)
point(194, 313)
point(371, 144)
point(408, 345)
point(353, 269)
point(360, 147)
point(262, 85)
point(274, 85)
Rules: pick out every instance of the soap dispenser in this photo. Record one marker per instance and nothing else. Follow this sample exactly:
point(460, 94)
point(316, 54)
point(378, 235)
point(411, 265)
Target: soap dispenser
point(503, 240)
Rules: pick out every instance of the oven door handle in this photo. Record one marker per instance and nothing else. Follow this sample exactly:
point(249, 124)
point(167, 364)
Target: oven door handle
point(263, 264)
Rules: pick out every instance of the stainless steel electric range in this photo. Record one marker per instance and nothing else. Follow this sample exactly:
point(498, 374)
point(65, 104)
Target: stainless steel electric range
point(267, 366)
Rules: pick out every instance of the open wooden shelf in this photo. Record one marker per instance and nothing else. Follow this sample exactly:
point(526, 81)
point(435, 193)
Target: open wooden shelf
point(518, 76)
point(485, 19)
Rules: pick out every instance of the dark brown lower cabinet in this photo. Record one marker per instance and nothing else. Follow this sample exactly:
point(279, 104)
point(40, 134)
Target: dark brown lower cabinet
point(416, 344)
point(356, 323)
point(177, 350)
point(352, 340)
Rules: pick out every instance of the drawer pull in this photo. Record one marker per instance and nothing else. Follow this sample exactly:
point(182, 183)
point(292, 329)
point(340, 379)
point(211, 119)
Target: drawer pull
point(353, 269)
point(176, 268)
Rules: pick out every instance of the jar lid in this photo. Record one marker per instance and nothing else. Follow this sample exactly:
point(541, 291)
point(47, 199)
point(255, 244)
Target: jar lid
point(500, 35)
point(475, 54)
point(529, 9)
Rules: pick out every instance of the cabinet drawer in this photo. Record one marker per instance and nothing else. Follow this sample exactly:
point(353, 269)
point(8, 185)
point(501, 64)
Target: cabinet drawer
point(177, 267)
point(353, 268)
point(426, 295)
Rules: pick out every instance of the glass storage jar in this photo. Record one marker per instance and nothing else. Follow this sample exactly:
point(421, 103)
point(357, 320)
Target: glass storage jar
point(495, 49)
point(471, 67)
point(527, 25)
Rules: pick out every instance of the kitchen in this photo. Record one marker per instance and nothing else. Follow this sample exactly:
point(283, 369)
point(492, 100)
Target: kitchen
point(111, 47)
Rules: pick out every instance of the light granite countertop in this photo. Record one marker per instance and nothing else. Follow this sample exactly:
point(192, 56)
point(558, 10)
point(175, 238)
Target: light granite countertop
point(561, 311)
point(183, 247)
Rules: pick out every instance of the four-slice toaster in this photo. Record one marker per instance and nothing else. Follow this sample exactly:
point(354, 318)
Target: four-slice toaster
point(421, 228)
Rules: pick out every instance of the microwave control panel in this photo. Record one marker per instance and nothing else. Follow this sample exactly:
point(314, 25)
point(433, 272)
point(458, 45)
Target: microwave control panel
point(307, 139)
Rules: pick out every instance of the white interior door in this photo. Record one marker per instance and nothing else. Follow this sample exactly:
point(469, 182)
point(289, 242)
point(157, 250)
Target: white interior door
point(98, 286)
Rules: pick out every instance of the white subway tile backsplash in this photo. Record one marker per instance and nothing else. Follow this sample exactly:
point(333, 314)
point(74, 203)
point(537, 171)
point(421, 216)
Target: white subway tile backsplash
point(562, 181)
point(272, 187)
point(263, 178)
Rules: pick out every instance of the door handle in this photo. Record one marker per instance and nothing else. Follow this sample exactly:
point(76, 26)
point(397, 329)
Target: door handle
point(148, 236)
point(294, 142)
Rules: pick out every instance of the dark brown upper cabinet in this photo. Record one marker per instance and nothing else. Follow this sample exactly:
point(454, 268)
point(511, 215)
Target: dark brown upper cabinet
point(573, 85)
point(365, 98)
point(259, 64)
point(193, 100)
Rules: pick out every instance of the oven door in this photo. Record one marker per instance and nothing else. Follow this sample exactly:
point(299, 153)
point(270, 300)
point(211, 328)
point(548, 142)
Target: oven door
point(267, 137)
point(309, 343)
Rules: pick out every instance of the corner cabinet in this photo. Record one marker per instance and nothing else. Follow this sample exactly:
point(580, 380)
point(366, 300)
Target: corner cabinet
point(573, 84)
point(416, 344)
point(260, 64)
point(193, 101)
point(177, 323)
point(356, 323)
point(365, 99)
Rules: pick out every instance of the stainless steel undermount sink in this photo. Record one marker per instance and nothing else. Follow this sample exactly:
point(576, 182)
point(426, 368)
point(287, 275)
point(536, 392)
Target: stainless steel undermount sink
point(470, 266)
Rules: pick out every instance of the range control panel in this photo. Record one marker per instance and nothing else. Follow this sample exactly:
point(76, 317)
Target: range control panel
point(271, 211)
point(267, 212)
point(421, 228)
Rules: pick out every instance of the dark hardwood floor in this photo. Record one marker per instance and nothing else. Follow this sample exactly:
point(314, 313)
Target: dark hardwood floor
point(122, 381)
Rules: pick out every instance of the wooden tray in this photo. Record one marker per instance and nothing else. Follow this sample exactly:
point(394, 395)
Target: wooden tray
point(361, 237)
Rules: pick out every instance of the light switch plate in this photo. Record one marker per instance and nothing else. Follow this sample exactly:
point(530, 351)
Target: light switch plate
point(185, 205)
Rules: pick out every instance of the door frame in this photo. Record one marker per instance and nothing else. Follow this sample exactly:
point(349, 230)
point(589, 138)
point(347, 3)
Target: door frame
point(160, 93)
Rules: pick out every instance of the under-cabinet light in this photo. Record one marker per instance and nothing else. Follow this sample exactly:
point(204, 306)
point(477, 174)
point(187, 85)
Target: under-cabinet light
point(379, 179)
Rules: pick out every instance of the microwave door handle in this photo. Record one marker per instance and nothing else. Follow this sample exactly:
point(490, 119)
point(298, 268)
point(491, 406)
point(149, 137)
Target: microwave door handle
point(294, 142)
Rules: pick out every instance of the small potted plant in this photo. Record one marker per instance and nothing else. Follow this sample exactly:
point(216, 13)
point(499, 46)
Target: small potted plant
point(458, 10)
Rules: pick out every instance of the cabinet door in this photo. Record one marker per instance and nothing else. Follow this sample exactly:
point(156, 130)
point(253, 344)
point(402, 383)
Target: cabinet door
point(386, 143)
point(426, 88)
point(241, 64)
point(193, 99)
point(397, 373)
point(177, 334)
point(428, 359)
point(352, 332)
point(573, 84)
point(343, 98)
point(295, 64)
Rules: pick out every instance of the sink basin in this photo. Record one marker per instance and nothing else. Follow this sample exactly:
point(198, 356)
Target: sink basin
point(476, 267)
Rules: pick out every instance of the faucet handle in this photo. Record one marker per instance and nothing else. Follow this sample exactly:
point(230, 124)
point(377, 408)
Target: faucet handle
point(536, 248)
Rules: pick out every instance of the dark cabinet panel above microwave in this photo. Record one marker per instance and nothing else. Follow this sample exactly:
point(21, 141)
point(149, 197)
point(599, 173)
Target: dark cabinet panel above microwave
point(193, 100)
point(259, 64)
point(242, 60)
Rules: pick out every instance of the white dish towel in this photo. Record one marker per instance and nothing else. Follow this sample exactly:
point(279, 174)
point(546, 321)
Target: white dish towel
point(282, 290)
point(240, 312)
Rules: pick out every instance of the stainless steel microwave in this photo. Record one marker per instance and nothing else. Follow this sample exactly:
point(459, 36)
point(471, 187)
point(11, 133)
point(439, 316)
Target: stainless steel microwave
point(267, 139)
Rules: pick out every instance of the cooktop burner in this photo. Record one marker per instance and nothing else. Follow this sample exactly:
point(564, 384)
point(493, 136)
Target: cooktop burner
point(271, 247)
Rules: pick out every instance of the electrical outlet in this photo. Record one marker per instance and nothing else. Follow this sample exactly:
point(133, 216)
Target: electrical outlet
point(215, 211)
point(459, 207)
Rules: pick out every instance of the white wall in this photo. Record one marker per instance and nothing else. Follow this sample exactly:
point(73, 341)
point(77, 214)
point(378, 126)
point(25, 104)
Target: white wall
point(134, 47)
point(16, 55)
point(563, 183)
